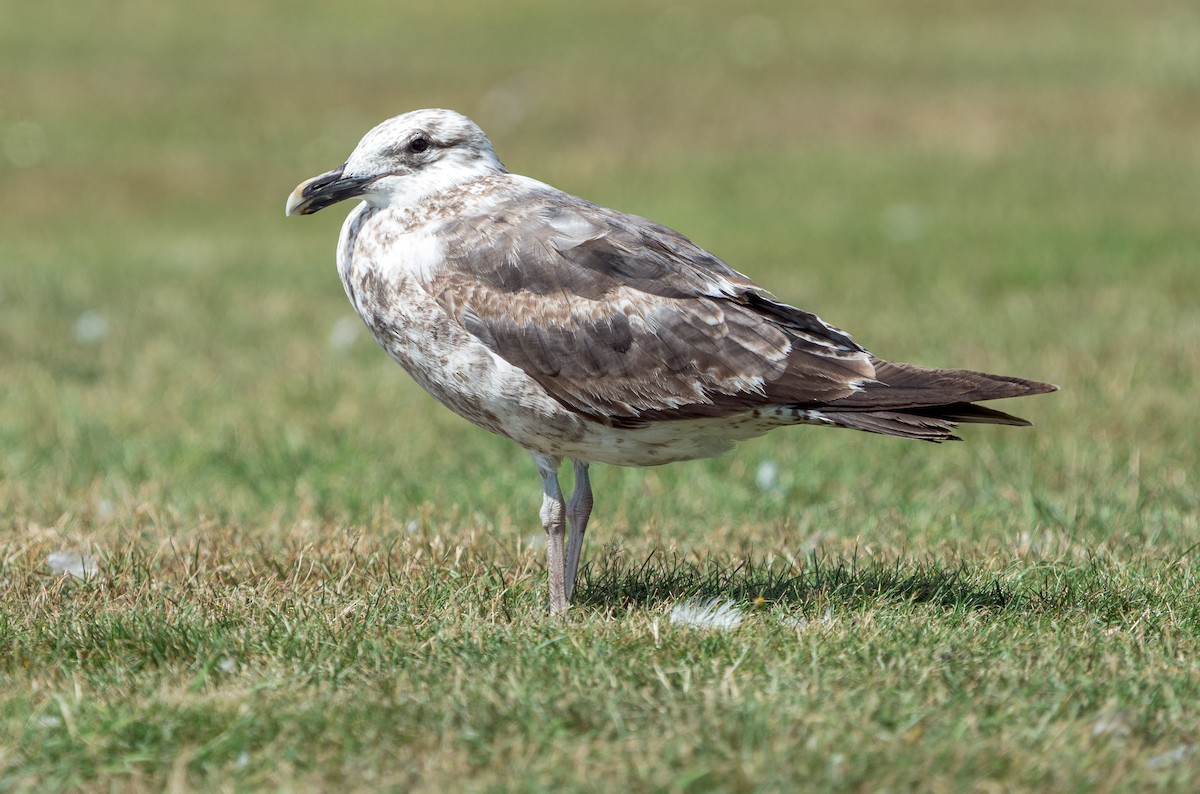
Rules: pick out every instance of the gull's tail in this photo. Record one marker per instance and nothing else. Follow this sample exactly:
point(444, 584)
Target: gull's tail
point(927, 404)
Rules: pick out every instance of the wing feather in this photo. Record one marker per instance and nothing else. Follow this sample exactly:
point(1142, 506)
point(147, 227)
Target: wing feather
point(624, 320)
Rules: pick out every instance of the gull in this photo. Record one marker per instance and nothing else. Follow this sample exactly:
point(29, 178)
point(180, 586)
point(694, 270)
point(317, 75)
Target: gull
point(581, 332)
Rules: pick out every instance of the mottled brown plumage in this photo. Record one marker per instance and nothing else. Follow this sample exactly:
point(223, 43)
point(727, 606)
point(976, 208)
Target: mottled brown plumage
point(579, 331)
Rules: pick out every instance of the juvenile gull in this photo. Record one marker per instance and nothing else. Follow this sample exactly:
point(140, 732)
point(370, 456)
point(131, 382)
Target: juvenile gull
point(581, 332)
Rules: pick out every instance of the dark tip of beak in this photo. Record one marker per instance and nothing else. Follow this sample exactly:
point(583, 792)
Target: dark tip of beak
point(325, 189)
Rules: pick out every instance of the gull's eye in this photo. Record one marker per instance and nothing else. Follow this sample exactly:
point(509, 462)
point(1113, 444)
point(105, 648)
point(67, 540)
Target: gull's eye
point(419, 144)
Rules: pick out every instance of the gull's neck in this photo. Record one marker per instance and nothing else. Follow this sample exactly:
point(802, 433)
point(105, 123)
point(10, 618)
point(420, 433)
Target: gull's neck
point(406, 192)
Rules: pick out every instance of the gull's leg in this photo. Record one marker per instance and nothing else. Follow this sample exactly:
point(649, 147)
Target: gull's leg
point(578, 510)
point(554, 520)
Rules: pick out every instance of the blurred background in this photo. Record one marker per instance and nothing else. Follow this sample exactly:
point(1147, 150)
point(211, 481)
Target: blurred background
point(1010, 187)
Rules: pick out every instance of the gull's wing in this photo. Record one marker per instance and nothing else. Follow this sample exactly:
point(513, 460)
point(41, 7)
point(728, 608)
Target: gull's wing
point(624, 320)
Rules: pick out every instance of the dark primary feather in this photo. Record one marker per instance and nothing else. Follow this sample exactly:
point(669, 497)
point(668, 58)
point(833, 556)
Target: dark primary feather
point(626, 321)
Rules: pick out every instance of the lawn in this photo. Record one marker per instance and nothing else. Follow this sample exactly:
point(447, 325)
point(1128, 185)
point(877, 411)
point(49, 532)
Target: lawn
point(301, 573)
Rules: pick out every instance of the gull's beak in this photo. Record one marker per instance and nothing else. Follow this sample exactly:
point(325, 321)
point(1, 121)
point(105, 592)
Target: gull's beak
point(328, 188)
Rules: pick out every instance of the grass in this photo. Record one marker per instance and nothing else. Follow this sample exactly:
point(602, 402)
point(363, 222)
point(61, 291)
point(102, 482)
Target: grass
point(305, 574)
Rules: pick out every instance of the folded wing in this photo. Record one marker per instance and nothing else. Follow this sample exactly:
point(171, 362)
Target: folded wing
point(625, 321)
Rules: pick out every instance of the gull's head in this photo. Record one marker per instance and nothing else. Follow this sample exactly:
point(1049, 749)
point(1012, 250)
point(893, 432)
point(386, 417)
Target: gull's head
point(402, 161)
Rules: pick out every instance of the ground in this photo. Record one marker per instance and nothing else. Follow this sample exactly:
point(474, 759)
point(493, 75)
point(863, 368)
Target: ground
point(304, 574)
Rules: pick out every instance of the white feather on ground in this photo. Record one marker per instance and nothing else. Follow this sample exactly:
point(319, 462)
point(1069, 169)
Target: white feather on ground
point(713, 613)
